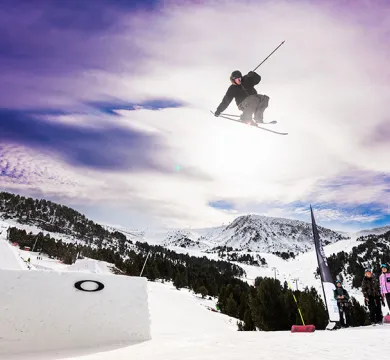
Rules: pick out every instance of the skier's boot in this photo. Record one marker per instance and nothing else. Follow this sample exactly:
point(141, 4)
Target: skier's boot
point(258, 119)
point(247, 120)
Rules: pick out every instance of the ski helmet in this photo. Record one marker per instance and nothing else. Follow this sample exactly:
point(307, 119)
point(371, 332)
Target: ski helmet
point(236, 74)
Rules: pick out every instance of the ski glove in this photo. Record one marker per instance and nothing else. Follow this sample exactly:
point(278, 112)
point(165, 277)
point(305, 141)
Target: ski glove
point(366, 301)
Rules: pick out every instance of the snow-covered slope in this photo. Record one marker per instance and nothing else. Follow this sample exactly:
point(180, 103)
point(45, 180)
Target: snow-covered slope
point(34, 229)
point(184, 328)
point(91, 266)
point(246, 233)
point(258, 235)
point(299, 272)
point(302, 268)
point(251, 233)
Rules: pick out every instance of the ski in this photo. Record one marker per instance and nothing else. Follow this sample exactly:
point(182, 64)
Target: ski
point(253, 124)
point(264, 123)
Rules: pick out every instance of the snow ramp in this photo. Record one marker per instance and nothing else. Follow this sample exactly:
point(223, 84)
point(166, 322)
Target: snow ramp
point(44, 311)
point(10, 258)
point(90, 266)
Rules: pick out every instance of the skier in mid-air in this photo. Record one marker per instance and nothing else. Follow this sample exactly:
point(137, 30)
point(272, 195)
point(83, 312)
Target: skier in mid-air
point(247, 99)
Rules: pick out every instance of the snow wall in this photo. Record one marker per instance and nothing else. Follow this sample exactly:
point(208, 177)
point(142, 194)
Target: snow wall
point(44, 311)
point(9, 258)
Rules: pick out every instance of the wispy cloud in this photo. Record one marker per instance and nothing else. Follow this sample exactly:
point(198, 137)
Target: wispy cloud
point(343, 216)
point(108, 148)
point(79, 84)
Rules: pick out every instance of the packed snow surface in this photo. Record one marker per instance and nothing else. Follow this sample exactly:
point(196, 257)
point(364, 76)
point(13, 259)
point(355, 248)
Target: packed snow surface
point(183, 327)
point(43, 310)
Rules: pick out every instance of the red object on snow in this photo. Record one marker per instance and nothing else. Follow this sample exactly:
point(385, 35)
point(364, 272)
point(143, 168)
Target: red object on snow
point(303, 328)
point(386, 319)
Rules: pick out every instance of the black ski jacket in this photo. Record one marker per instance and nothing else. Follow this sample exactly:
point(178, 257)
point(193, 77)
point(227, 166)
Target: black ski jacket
point(341, 291)
point(370, 287)
point(240, 92)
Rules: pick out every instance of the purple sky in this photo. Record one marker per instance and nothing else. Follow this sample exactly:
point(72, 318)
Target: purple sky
point(47, 49)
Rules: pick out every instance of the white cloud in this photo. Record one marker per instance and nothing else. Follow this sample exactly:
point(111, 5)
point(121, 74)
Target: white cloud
point(326, 90)
point(337, 215)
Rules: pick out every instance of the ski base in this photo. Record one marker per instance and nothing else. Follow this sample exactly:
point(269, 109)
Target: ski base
point(238, 116)
point(252, 124)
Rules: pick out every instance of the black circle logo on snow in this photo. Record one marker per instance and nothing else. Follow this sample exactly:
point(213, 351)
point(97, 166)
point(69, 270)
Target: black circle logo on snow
point(78, 285)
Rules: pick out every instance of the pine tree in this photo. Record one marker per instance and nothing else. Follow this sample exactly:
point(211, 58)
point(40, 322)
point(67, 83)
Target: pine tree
point(267, 307)
point(203, 291)
point(231, 306)
point(222, 298)
point(249, 325)
point(178, 282)
point(359, 316)
point(312, 308)
point(243, 305)
point(292, 314)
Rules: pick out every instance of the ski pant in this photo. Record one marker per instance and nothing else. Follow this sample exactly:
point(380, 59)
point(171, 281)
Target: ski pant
point(344, 308)
point(387, 297)
point(254, 105)
point(375, 308)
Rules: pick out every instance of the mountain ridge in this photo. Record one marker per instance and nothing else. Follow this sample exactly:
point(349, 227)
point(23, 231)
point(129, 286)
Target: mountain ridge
point(374, 231)
point(247, 233)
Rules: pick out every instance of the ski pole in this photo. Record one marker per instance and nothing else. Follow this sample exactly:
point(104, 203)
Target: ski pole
point(269, 55)
point(289, 285)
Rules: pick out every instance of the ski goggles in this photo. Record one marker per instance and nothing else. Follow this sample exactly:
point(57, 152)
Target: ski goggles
point(383, 266)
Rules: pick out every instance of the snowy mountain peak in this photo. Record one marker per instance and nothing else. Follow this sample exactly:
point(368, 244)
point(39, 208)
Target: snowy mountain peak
point(252, 233)
point(272, 235)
